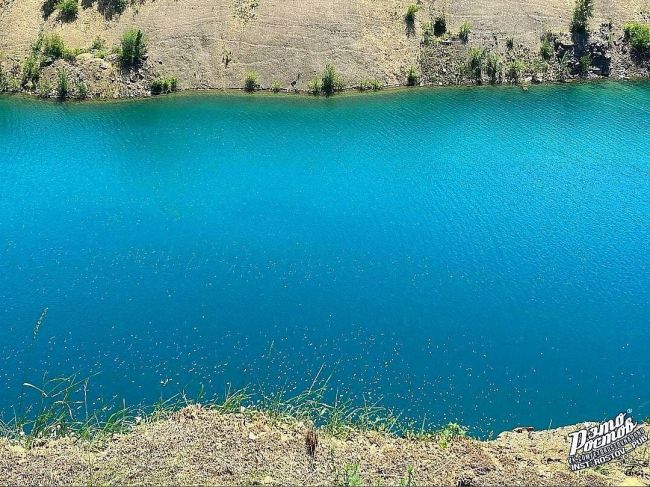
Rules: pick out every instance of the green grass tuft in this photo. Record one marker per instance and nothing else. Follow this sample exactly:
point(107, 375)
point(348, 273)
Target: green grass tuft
point(60, 408)
point(464, 31)
point(409, 16)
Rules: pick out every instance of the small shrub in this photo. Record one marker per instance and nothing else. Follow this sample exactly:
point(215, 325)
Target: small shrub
point(493, 67)
point(510, 43)
point(82, 90)
point(4, 84)
point(474, 63)
point(515, 70)
point(156, 87)
point(409, 16)
point(412, 77)
point(584, 63)
point(68, 9)
point(31, 70)
point(52, 46)
point(314, 86)
point(465, 31)
point(48, 7)
point(133, 47)
point(62, 83)
point(548, 35)
point(563, 66)
point(439, 26)
point(276, 86)
point(98, 44)
point(546, 49)
point(111, 7)
point(331, 81)
point(638, 35)
point(252, 81)
point(582, 12)
point(44, 88)
point(164, 85)
point(427, 34)
point(370, 84)
point(70, 53)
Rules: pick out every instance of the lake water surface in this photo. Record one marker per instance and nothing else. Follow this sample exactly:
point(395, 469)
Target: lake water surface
point(478, 255)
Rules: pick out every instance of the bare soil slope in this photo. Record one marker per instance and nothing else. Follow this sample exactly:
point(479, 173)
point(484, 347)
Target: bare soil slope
point(213, 43)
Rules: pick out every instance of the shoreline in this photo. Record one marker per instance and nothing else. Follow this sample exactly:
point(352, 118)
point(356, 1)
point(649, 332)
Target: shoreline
point(351, 92)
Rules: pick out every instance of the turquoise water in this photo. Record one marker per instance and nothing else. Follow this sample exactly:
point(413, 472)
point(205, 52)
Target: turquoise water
point(478, 255)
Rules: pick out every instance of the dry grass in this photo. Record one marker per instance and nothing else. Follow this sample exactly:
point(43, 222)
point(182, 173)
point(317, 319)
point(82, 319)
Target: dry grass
point(196, 445)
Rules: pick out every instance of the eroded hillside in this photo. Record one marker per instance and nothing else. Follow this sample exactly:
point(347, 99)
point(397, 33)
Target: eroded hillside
point(213, 43)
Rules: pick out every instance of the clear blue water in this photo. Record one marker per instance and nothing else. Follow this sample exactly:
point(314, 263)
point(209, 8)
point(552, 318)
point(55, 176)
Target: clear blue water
point(478, 255)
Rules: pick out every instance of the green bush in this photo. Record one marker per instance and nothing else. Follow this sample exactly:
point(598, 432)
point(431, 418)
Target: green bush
point(252, 81)
point(364, 85)
point(427, 34)
point(584, 63)
point(465, 31)
point(638, 35)
point(82, 90)
point(164, 85)
point(111, 7)
point(493, 67)
point(44, 88)
point(48, 7)
point(31, 70)
point(439, 26)
point(314, 86)
point(376, 84)
point(331, 81)
point(52, 46)
point(411, 10)
point(563, 66)
point(68, 9)
point(370, 84)
point(276, 86)
point(546, 49)
point(70, 53)
point(133, 47)
point(412, 77)
point(582, 12)
point(4, 83)
point(474, 63)
point(62, 83)
point(98, 44)
point(157, 86)
point(515, 70)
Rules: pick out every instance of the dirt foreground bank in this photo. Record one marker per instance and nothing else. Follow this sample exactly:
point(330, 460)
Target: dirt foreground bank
point(199, 446)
